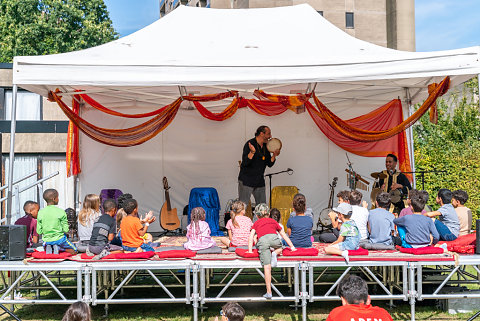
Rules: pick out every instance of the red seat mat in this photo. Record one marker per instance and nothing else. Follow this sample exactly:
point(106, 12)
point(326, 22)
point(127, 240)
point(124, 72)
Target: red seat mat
point(122, 256)
point(300, 252)
point(422, 250)
point(463, 244)
point(44, 256)
point(360, 251)
point(176, 254)
point(244, 253)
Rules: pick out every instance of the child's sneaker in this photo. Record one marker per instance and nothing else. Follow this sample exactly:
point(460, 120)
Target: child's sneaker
point(102, 254)
point(48, 249)
point(444, 247)
point(267, 296)
point(56, 249)
point(345, 256)
point(274, 259)
point(89, 253)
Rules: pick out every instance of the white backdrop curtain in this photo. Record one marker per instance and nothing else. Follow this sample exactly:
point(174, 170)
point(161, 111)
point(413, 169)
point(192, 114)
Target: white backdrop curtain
point(60, 182)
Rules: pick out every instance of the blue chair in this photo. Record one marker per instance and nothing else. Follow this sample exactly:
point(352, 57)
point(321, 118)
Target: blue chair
point(207, 198)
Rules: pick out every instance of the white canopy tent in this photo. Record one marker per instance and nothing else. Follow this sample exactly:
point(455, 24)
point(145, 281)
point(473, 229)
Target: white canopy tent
point(200, 51)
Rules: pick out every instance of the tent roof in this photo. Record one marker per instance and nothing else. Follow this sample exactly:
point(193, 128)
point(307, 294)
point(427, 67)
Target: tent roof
point(282, 50)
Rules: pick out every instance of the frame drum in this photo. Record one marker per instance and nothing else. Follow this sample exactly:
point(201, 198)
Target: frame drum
point(274, 144)
point(324, 219)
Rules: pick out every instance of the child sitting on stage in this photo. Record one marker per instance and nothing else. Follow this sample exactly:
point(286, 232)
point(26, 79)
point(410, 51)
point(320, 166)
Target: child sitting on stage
point(238, 226)
point(88, 215)
point(103, 232)
point(359, 213)
point(380, 225)
point(198, 232)
point(416, 230)
point(464, 213)
point(266, 229)
point(52, 224)
point(31, 209)
point(132, 229)
point(349, 236)
point(299, 227)
point(447, 223)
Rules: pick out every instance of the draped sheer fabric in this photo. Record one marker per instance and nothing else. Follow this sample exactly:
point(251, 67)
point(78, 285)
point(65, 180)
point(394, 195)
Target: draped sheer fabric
point(377, 133)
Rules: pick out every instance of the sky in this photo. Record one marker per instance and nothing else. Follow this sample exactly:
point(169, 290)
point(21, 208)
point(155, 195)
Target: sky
point(439, 24)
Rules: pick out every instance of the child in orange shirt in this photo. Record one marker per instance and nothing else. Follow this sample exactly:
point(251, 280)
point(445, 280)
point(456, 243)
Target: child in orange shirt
point(132, 230)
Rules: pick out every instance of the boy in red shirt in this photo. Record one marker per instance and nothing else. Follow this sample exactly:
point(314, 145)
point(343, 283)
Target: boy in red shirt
point(356, 305)
point(266, 229)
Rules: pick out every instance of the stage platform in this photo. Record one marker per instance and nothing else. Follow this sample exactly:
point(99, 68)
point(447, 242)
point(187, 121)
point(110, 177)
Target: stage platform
point(224, 277)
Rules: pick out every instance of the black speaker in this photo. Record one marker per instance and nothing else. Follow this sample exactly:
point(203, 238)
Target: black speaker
point(13, 242)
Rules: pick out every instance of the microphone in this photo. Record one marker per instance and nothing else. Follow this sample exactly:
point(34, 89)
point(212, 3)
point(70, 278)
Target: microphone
point(289, 171)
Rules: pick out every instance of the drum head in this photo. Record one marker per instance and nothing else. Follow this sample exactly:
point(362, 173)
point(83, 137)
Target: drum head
point(274, 144)
point(396, 196)
point(324, 219)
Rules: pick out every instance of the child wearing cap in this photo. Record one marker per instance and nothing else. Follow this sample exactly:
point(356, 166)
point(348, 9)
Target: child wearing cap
point(349, 237)
point(266, 229)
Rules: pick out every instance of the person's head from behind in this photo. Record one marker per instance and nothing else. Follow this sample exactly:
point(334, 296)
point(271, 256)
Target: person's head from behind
point(355, 197)
point(391, 162)
point(275, 214)
point(262, 210)
point(343, 196)
point(130, 206)
point(232, 311)
point(444, 196)
point(197, 214)
point(459, 198)
point(78, 311)
point(110, 207)
point(263, 133)
point(383, 200)
point(91, 202)
point(417, 200)
point(299, 203)
point(51, 196)
point(31, 208)
point(122, 198)
point(237, 208)
point(353, 289)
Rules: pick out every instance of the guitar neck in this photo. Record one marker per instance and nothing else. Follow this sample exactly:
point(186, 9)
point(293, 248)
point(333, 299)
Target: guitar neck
point(167, 200)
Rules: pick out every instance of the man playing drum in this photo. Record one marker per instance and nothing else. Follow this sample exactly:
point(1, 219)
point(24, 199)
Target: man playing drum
point(255, 158)
point(396, 183)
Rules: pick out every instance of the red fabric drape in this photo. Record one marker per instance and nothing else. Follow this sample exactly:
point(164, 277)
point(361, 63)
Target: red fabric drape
point(73, 148)
point(375, 134)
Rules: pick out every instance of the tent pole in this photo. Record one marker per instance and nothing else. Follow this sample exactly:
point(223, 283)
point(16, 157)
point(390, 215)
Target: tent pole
point(13, 123)
point(410, 133)
point(478, 78)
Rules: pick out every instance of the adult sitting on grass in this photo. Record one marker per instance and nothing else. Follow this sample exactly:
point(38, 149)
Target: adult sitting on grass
point(353, 291)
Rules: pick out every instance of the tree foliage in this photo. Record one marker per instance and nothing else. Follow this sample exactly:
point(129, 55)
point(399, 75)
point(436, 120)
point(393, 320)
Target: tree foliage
point(40, 27)
point(452, 145)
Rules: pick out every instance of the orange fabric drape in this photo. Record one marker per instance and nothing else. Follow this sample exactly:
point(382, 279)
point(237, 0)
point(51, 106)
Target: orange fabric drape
point(73, 148)
point(375, 134)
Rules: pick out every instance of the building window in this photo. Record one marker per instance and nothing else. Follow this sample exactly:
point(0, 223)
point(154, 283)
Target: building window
point(349, 23)
point(29, 106)
point(320, 13)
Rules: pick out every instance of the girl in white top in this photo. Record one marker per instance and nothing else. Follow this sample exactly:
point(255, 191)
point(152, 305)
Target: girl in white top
point(88, 215)
point(238, 226)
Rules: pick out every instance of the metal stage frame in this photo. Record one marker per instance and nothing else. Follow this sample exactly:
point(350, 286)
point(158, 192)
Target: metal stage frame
point(199, 282)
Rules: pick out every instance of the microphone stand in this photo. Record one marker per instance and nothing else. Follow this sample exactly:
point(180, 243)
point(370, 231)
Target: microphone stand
point(288, 170)
point(422, 175)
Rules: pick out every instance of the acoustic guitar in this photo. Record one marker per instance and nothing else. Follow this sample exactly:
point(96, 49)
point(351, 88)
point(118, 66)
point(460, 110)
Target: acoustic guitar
point(168, 215)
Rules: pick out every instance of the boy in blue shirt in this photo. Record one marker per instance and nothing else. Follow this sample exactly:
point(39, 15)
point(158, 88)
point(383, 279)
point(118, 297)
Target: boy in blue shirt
point(447, 223)
point(380, 225)
point(416, 230)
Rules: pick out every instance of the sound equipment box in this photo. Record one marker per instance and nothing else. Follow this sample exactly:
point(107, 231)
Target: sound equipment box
point(13, 242)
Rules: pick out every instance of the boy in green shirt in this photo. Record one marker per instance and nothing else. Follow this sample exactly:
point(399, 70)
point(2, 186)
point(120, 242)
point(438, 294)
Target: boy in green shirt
point(52, 223)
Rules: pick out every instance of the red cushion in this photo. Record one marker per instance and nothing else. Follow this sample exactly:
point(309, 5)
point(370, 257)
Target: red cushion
point(422, 250)
point(360, 251)
point(44, 255)
point(122, 256)
point(463, 240)
point(300, 252)
point(244, 253)
point(176, 254)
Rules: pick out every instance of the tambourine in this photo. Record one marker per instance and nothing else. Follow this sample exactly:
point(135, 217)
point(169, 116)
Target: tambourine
point(274, 144)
